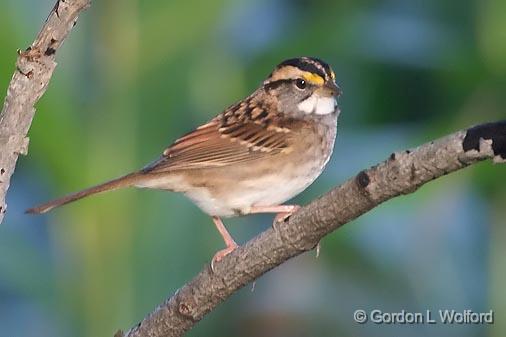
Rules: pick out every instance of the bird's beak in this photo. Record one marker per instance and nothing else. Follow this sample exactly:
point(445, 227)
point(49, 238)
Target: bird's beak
point(329, 89)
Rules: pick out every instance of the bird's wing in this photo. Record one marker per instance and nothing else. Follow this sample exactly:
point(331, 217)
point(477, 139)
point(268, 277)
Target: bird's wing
point(242, 133)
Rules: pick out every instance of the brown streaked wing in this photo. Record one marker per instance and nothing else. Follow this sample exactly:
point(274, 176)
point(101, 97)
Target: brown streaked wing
point(216, 145)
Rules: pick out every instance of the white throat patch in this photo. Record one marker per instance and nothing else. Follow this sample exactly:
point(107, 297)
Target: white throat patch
point(318, 105)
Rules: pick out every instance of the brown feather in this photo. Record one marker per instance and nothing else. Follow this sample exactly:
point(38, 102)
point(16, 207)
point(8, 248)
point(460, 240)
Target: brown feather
point(125, 181)
point(244, 132)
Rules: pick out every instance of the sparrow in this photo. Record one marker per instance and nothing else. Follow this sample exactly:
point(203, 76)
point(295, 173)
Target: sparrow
point(251, 158)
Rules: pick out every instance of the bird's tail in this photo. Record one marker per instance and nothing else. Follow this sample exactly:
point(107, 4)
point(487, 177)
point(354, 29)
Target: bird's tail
point(125, 181)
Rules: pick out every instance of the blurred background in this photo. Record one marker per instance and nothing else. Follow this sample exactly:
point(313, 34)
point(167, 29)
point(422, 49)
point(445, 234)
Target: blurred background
point(134, 75)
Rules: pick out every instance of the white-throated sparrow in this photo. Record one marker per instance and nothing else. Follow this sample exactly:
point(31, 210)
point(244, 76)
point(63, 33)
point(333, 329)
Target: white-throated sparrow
point(254, 156)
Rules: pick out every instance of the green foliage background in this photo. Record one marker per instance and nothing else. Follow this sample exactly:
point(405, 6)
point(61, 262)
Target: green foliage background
point(134, 75)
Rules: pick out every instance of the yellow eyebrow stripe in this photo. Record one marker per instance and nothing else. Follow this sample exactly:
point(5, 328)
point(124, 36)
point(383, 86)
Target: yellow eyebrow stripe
point(313, 78)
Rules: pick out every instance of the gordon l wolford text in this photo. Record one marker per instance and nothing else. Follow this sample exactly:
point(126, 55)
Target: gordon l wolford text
point(446, 316)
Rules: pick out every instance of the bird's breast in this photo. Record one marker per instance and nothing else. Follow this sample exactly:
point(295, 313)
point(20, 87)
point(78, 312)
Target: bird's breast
point(233, 190)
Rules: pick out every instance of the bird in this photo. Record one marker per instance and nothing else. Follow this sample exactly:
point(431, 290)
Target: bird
point(251, 158)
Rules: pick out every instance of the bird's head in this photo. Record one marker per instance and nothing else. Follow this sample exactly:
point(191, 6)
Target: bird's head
point(304, 86)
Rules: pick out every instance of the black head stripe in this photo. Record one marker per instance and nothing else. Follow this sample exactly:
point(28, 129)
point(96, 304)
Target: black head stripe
point(275, 84)
point(312, 65)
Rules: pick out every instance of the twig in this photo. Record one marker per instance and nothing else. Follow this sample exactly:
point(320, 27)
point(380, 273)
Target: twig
point(403, 173)
point(34, 68)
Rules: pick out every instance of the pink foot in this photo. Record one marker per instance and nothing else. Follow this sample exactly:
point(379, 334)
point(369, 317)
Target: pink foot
point(222, 253)
point(229, 242)
point(285, 215)
point(283, 211)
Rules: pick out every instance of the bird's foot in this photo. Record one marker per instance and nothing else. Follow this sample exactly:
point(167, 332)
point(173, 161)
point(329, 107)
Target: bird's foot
point(283, 211)
point(286, 213)
point(222, 253)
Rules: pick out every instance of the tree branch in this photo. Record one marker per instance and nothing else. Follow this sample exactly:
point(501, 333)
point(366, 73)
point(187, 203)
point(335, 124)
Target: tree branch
point(403, 173)
point(34, 68)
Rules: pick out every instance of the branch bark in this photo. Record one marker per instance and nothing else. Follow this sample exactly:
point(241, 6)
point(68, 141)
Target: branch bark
point(402, 173)
point(34, 68)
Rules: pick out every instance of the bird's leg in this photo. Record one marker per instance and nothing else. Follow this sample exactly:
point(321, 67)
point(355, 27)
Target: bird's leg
point(283, 211)
point(229, 242)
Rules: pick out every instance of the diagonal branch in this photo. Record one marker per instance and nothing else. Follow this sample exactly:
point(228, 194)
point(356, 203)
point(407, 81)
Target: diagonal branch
point(402, 173)
point(34, 68)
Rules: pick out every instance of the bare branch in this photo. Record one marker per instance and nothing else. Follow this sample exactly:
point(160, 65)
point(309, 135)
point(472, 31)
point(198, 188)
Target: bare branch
point(403, 173)
point(34, 68)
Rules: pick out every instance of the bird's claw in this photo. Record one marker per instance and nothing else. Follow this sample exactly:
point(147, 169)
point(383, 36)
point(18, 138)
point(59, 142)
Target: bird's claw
point(222, 253)
point(280, 217)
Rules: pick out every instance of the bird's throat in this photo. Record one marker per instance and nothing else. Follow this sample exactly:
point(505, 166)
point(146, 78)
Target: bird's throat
point(318, 105)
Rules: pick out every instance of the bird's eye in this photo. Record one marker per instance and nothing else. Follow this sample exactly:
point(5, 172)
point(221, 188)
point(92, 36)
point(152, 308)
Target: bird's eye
point(300, 83)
